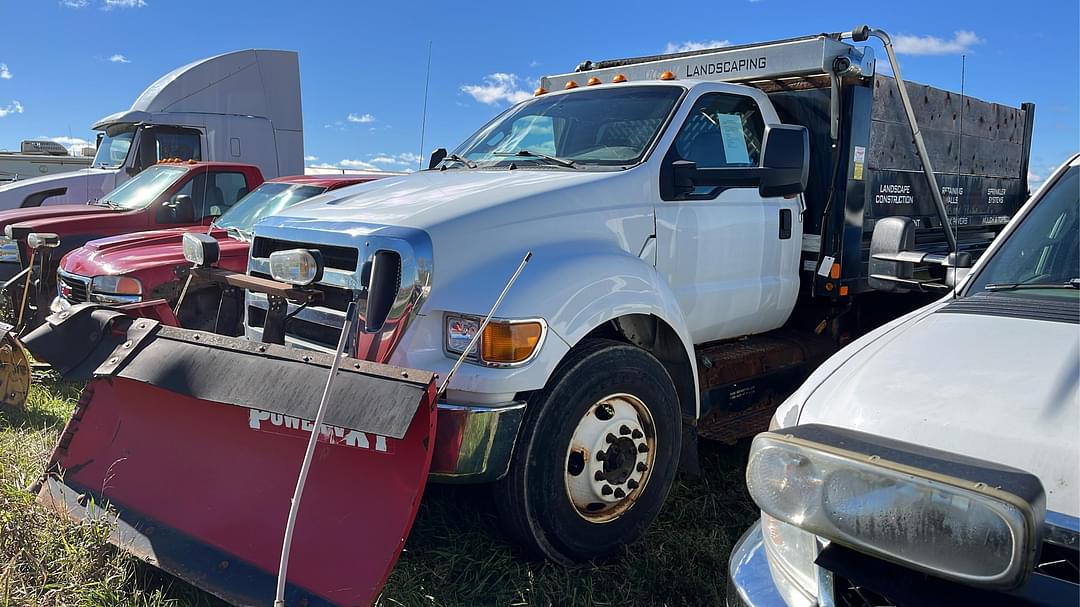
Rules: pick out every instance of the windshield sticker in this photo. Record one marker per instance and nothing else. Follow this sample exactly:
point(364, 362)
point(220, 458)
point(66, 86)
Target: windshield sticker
point(731, 129)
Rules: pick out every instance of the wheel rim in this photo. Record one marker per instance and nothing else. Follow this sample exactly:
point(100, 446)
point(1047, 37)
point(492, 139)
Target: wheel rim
point(610, 457)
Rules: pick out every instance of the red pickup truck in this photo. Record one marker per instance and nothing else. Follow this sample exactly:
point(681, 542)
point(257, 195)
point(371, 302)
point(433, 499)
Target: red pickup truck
point(151, 265)
point(169, 194)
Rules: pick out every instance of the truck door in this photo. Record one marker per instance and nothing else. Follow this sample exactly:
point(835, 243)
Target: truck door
point(725, 251)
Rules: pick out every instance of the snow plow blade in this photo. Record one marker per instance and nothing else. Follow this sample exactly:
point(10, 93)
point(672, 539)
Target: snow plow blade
point(191, 444)
point(15, 369)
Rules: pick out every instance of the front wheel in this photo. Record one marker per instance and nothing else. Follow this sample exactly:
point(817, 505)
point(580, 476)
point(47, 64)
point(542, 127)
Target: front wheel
point(597, 454)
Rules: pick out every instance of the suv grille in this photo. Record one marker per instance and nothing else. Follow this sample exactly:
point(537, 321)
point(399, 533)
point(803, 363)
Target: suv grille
point(73, 289)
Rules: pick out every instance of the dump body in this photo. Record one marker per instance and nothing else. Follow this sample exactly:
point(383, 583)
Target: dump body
point(242, 106)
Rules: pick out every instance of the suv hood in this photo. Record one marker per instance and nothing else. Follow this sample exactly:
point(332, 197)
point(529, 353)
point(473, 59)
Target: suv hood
point(989, 385)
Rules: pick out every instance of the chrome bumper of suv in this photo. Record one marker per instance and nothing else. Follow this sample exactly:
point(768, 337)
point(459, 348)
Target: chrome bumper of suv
point(750, 583)
point(474, 443)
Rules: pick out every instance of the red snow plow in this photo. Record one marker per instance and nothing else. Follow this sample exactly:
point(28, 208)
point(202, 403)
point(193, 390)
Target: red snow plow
point(191, 443)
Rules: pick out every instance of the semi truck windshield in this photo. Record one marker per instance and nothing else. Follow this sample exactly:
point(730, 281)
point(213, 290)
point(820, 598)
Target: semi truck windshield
point(597, 127)
point(114, 146)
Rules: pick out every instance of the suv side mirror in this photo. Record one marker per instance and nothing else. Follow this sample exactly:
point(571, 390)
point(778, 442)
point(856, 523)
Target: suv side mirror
point(786, 161)
point(437, 156)
point(892, 236)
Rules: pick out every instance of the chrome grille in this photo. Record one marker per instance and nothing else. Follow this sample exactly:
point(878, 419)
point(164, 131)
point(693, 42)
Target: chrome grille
point(75, 289)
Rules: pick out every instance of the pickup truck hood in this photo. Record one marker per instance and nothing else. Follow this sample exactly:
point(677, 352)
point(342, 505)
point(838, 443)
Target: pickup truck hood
point(138, 253)
point(986, 385)
point(82, 186)
point(74, 220)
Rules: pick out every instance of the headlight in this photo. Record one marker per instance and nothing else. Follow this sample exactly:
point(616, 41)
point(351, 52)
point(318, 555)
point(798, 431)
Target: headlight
point(115, 285)
point(791, 554)
point(503, 342)
point(9, 250)
point(959, 519)
point(296, 266)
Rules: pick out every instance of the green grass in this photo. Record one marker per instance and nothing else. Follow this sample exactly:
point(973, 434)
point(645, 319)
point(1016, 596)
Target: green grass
point(455, 555)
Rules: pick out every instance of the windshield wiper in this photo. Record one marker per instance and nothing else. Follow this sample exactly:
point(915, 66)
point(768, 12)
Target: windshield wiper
point(455, 158)
point(107, 203)
point(1020, 286)
point(237, 233)
point(530, 154)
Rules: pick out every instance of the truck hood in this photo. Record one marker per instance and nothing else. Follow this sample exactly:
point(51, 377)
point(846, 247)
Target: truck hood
point(40, 216)
point(82, 185)
point(999, 388)
point(139, 252)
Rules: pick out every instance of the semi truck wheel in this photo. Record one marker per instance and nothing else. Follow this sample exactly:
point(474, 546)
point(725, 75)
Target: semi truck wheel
point(597, 454)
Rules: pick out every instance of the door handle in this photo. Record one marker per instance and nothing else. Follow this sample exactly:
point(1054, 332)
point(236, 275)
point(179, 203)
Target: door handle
point(785, 224)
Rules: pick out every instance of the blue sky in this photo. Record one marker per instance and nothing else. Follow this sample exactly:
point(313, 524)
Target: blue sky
point(65, 63)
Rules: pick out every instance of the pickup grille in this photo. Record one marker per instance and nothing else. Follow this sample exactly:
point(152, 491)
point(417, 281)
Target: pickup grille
point(338, 258)
point(74, 289)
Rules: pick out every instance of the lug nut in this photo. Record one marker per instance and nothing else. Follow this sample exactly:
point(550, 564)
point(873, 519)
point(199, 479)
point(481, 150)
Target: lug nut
point(633, 484)
point(641, 467)
point(601, 456)
point(610, 437)
point(606, 490)
point(619, 493)
point(599, 475)
point(624, 429)
point(642, 448)
point(636, 434)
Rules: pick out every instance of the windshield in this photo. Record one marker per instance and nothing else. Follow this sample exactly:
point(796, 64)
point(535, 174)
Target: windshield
point(602, 127)
point(1042, 255)
point(142, 189)
point(114, 145)
point(267, 199)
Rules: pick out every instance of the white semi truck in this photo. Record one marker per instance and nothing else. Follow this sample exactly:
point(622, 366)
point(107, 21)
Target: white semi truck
point(700, 227)
point(243, 106)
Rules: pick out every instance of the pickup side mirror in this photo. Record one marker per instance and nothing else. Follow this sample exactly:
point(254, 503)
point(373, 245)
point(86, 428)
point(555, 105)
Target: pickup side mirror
point(437, 156)
point(892, 236)
point(786, 162)
point(180, 209)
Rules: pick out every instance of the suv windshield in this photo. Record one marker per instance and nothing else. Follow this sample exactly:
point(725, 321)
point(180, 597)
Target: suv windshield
point(265, 200)
point(142, 189)
point(1042, 255)
point(114, 146)
point(601, 127)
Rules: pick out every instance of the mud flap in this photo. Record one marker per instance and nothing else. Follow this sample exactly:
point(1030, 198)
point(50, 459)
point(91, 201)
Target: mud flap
point(191, 443)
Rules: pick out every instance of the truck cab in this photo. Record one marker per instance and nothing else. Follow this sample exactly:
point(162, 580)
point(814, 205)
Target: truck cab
point(242, 106)
point(974, 401)
point(170, 194)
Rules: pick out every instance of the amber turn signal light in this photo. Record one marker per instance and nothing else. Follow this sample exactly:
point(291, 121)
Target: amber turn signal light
point(510, 342)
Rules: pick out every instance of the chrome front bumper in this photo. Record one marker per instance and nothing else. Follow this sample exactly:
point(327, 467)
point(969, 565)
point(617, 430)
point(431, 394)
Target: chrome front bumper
point(750, 583)
point(474, 443)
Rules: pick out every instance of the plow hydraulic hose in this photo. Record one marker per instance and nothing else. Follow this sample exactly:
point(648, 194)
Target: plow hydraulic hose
point(283, 567)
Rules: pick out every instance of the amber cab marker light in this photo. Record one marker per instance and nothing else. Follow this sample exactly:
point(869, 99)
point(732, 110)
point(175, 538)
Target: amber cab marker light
point(593, 81)
point(539, 91)
point(666, 75)
point(843, 290)
point(570, 84)
point(618, 78)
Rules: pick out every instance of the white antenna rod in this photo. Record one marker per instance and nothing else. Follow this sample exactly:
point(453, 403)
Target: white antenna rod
point(423, 117)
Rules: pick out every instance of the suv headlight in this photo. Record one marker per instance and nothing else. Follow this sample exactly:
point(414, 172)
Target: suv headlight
point(9, 250)
point(503, 343)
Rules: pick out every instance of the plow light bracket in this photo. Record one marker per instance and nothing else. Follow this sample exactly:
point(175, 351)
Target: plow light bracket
point(299, 267)
point(43, 240)
point(202, 250)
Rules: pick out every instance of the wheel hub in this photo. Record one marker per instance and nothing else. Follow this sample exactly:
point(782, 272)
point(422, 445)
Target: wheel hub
point(610, 457)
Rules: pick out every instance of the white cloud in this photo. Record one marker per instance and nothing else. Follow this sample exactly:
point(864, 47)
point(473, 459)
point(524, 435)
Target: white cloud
point(1034, 179)
point(690, 45)
point(12, 108)
point(497, 88)
point(361, 118)
point(74, 3)
point(358, 164)
point(961, 42)
point(124, 4)
point(405, 159)
point(310, 158)
point(5, 73)
point(118, 58)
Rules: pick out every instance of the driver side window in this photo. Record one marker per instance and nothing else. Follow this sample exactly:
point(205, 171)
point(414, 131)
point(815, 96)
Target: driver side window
point(721, 131)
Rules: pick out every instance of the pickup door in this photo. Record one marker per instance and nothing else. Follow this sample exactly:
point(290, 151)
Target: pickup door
point(730, 256)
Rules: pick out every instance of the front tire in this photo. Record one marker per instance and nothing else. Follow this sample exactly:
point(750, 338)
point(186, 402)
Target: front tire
point(597, 454)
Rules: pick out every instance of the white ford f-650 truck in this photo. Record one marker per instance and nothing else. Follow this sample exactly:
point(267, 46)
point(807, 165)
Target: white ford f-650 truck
point(242, 106)
point(699, 226)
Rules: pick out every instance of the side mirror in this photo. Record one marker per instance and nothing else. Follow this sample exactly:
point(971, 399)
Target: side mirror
point(785, 162)
point(683, 173)
point(179, 209)
point(892, 236)
point(131, 171)
point(436, 157)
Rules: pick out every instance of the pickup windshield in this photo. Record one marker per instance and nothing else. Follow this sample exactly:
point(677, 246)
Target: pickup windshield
point(612, 127)
point(265, 200)
point(1041, 257)
point(142, 189)
point(114, 146)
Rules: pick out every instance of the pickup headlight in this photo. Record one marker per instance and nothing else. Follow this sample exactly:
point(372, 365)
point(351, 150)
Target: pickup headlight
point(115, 285)
point(503, 343)
point(791, 554)
point(956, 518)
point(9, 250)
